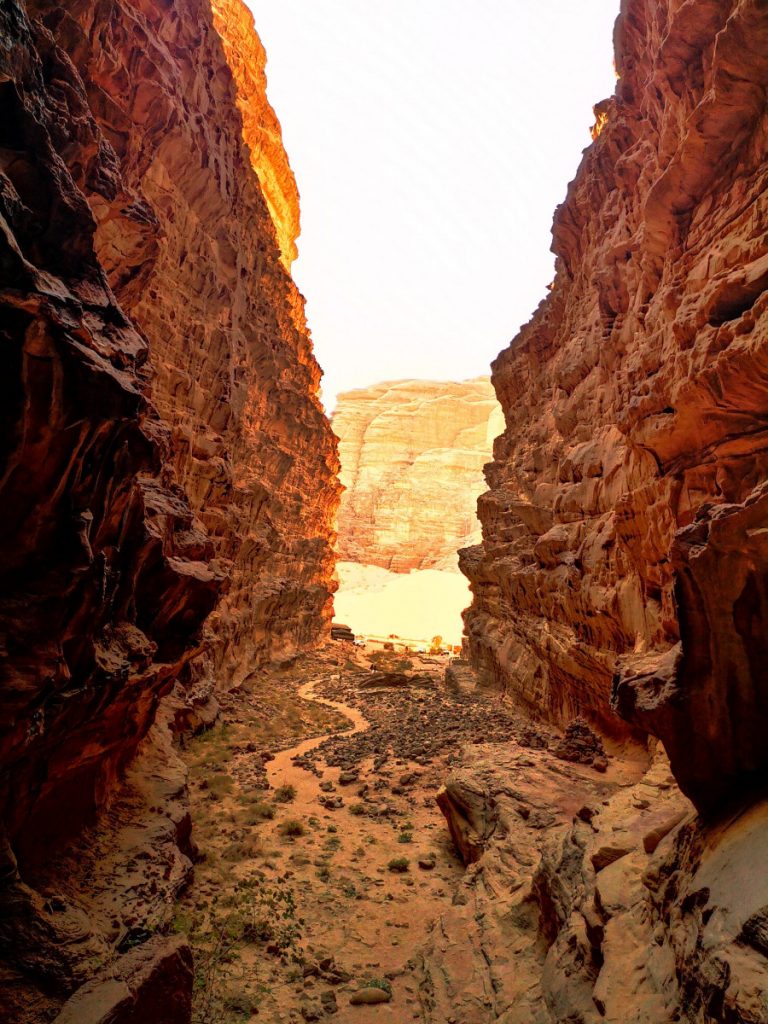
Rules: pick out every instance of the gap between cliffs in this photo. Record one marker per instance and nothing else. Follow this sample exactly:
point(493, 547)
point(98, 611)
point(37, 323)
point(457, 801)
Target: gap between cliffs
point(190, 830)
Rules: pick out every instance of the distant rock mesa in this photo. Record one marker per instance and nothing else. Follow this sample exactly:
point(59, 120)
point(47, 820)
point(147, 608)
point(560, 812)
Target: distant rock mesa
point(412, 454)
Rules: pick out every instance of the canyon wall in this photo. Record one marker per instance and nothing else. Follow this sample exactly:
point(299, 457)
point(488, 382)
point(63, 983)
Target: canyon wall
point(625, 556)
point(168, 475)
point(234, 374)
point(412, 454)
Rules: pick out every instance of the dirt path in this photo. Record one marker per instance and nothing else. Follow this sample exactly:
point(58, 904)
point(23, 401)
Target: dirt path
point(327, 862)
point(366, 918)
point(281, 771)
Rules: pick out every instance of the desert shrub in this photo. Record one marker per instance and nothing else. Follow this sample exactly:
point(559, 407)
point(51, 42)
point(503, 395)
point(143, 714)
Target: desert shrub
point(381, 983)
point(399, 865)
point(220, 784)
point(245, 849)
point(291, 828)
point(258, 914)
point(258, 812)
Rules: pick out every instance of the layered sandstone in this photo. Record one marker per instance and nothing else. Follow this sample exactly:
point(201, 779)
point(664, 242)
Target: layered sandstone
point(624, 537)
point(596, 898)
point(234, 374)
point(162, 442)
point(412, 454)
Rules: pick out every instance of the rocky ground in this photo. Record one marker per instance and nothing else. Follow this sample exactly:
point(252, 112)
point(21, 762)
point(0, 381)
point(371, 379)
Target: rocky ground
point(328, 878)
point(376, 838)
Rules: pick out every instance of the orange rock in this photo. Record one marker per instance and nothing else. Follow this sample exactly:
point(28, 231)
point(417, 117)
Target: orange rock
point(163, 440)
point(261, 129)
point(627, 497)
point(233, 374)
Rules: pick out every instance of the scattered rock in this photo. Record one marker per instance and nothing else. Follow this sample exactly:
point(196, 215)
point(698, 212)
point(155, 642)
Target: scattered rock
point(581, 745)
point(369, 997)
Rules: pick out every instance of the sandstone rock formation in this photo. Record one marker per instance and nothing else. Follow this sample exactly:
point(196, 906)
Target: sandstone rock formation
point(412, 454)
point(624, 539)
point(234, 374)
point(595, 899)
point(162, 439)
point(261, 129)
point(151, 983)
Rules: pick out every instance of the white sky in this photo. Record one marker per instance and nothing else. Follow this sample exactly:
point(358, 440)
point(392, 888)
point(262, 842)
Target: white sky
point(431, 141)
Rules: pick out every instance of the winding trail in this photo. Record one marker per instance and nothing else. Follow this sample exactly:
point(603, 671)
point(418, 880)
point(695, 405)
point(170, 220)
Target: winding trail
point(282, 770)
point(327, 848)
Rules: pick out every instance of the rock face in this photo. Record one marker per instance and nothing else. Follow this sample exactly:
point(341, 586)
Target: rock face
point(234, 374)
point(162, 441)
point(624, 539)
point(412, 454)
point(152, 982)
point(592, 898)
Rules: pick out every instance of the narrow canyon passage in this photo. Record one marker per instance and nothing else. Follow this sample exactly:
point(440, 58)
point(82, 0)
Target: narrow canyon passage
point(326, 878)
point(451, 707)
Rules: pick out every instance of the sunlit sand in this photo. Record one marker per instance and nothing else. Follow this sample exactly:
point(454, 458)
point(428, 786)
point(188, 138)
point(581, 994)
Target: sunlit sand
point(417, 605)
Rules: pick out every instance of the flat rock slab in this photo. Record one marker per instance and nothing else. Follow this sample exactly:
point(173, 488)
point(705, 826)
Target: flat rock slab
point(150, 983)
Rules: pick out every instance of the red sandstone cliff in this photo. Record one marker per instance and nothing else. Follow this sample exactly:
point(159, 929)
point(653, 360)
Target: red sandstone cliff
point(234, 374)
point(624, 530)
point(162, 439)
point(624, 563)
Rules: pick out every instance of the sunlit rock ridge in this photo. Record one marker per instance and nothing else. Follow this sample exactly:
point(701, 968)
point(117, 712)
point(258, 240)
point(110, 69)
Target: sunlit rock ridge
point(412, 454)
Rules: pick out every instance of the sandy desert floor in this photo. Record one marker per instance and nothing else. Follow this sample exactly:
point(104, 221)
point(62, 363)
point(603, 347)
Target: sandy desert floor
point(418, 605)
point(325, 860)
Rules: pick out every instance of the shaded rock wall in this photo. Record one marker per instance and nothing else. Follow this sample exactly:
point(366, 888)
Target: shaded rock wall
point(234, 374)
point(412, 454)
point(161, 440)
point(623, 528)
point(105, 581)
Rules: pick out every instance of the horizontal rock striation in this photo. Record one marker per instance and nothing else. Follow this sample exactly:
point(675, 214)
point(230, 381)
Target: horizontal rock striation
point(623, 531)
point(167, 474)
point(412, 454)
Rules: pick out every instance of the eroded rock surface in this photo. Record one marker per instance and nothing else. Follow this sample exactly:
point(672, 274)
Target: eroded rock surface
point(235, 378)
point(624, 528)
point(412, 454)
point(162, 443)
point(592, 898)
